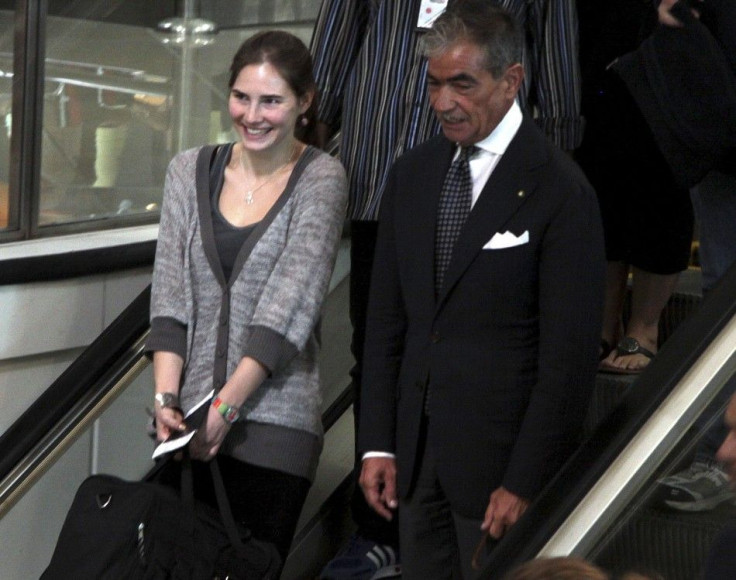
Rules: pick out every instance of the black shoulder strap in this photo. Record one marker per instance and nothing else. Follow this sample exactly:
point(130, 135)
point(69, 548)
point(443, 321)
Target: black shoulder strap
point(187, 496)
point(223, 504)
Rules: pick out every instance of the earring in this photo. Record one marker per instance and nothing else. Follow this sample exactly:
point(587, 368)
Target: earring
point(303, 121)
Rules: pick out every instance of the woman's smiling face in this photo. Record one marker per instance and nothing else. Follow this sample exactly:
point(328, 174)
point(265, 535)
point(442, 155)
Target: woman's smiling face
point(264, 108)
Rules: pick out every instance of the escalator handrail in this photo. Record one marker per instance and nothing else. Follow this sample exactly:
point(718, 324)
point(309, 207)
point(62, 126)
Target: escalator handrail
point(46, 268)
point(549, 511)
point(78, 379)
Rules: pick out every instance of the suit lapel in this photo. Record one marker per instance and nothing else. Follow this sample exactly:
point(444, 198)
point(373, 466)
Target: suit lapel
point(512, 182)
point(420, 219)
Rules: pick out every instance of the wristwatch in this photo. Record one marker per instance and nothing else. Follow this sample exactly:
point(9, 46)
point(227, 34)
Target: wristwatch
point(168, 401)
point(228, 412)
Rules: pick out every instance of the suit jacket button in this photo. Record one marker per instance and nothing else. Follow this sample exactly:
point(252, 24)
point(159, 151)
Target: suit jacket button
point(435, 337)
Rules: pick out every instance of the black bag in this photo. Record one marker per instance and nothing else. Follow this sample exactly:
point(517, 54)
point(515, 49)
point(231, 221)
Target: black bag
point(685, 86)
point(127, 530)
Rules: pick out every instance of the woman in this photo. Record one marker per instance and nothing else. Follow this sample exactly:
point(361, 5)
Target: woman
point(244, 257)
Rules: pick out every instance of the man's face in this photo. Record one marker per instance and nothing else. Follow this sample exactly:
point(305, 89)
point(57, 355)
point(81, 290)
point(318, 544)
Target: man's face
point(727, 452)
point(468, 101)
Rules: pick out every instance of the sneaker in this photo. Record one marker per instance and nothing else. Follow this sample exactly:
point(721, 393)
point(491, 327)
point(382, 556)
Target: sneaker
point(701, 487)
point(363, 560)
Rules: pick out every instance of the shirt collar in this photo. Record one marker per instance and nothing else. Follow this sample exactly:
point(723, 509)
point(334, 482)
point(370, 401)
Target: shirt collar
point(501, 136)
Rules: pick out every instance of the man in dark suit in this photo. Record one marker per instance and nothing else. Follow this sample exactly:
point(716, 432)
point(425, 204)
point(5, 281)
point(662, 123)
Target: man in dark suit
point(477, 374)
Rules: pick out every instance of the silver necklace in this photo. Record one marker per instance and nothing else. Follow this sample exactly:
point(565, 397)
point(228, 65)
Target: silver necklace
point(249, 192)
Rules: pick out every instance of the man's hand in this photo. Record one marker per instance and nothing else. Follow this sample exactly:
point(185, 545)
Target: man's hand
point(503, 510)
point(378, 481)
point(665, 14)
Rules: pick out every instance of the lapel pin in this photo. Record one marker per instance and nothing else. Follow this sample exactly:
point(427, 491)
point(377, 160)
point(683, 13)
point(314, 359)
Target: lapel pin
point(521, 193)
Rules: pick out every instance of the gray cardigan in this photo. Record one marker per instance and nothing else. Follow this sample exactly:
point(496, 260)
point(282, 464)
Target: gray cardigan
point(270, 309)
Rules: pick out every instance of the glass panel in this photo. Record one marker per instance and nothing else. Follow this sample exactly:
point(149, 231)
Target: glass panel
point(123, 96)
point(670, 525)
point(6, 102)
point(291, 15)
point(106, 136)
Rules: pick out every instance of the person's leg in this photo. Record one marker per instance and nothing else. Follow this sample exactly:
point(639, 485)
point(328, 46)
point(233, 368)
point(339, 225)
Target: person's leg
point(617, 274)
point(606, 149)
point(660, 235)
point(266, 501)
point(469, 536)
point(652, 229)
point(427, 534)
point(649, 295)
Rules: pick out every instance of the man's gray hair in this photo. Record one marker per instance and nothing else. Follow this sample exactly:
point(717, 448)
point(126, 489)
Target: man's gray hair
point(494, 30)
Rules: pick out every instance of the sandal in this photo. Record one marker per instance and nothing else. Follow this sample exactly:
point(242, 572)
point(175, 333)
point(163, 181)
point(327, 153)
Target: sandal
point(628, 345)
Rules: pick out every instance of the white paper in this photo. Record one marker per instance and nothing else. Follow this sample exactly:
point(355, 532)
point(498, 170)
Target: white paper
point(429, 11)
point(179, 440)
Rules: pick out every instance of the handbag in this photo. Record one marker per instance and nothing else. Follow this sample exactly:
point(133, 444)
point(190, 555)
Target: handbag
point(128, 530)
point(685, 86)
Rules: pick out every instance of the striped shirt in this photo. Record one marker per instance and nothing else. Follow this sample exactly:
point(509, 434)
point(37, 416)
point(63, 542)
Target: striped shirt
point(372, 77)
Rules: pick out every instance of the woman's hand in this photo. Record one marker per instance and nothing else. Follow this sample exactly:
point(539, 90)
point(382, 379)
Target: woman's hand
point(168, 422)
point(206, 442)
point(246, 378)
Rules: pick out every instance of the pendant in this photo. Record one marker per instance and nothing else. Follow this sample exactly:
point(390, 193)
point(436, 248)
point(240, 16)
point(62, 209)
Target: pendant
point(249, 197)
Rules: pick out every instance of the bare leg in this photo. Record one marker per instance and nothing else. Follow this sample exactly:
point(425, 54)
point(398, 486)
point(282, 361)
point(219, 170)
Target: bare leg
point(650, 293)
point(617, 274)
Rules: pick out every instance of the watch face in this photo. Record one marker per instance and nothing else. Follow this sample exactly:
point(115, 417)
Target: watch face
point(166, 400)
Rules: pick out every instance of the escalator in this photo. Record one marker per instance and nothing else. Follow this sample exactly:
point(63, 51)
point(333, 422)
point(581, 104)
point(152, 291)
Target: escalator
point(603, 505)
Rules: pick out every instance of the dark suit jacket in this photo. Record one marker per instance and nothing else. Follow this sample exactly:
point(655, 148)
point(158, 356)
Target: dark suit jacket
point(509, 349)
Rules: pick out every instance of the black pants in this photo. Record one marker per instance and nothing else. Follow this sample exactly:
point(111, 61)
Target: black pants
point(438, 542)
point(363, 241)
point(266, 501)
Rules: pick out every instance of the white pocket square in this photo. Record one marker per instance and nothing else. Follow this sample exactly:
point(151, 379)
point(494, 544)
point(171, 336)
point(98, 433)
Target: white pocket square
point(506, 239)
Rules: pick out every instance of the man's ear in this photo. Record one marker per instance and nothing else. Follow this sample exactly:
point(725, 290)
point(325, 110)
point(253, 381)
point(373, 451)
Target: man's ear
point(514, 75)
